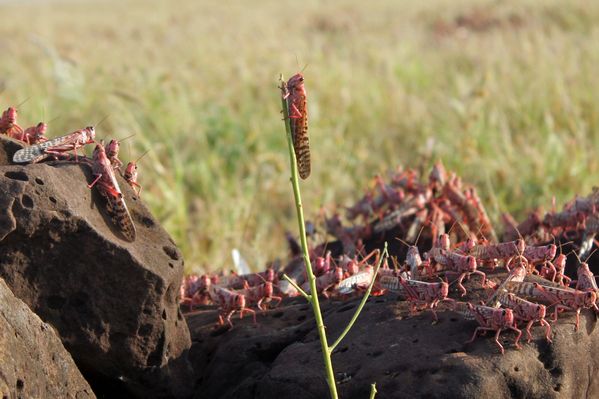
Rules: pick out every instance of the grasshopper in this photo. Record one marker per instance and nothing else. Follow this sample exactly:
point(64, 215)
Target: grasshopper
point(108, 186)
point(525, 311)
point(8, 124)
point(57, 146)
point(295, 95)
point(417, 292)
point(35, 134)
point(562, 298)
point(229, 302)
point(326, 281)
point(259, 294)
point(490, 319)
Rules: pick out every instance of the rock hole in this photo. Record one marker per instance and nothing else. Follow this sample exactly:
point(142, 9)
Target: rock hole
point(52, 200)
point(556, 372)
point(343, 349)
point(171, 252)
point(453, 319)
point(380, 300)
point(557, 388)
point(56, 302)
point(277, 315)
point(27, 201)
point(145, 330)
point(39, 181)
point(516, 369)
point(301, 318)
point(171, 265)
point(20, 384)
point(164, 314)
point(346, 308)
point(148, 222)
point(22, 176)
point(415, 341)
point(376, 353)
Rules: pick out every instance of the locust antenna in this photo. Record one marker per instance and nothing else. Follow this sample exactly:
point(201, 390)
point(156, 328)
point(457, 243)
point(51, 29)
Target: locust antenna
point(101, 120)
point(142, 155)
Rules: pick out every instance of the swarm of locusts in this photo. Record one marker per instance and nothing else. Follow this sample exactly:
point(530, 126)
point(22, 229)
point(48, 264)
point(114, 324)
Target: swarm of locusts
point(462, 243)
point(104, 162)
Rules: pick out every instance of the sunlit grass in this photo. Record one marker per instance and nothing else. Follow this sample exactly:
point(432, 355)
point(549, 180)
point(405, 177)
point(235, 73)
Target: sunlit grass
point(505, 90)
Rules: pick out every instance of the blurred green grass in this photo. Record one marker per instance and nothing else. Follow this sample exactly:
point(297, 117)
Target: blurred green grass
point(504, 92)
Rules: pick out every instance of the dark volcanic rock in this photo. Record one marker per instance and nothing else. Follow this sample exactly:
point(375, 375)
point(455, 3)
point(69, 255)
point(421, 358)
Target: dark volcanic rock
point(114, 303)
point(405, 355)
point(33, 362)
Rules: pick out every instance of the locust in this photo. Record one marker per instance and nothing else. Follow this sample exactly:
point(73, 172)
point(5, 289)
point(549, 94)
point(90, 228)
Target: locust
point(8, 123)
point(490, 319)
point(259, 294)
point(130, 174)
point(57, 146)
point(417, 292)
point(229, 302)
point(295, 95)
point(525, 311)
point(562, 298)
point(35, 134)
point(108, 186)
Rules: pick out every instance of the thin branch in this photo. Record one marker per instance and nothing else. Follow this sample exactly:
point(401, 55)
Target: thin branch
point(298, 288)
point(362, 303)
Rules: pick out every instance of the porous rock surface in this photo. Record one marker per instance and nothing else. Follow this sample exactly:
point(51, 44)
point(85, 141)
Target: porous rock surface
point(33, 361)
point(405, 355)
point(113, 303)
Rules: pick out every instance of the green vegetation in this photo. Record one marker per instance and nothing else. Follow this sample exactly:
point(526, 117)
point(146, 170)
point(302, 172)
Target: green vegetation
point(503, 92)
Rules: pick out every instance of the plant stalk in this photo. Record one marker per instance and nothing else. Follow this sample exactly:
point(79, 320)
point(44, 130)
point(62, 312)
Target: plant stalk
point(313, 299)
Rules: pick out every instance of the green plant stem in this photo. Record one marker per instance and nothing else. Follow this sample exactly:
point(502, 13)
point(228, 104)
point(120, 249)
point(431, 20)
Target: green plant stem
point(297, 287)
point(373, 390)
point(363, 302)
point(326, 353)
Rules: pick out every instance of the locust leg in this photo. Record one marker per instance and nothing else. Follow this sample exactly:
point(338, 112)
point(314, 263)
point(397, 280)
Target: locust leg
point(460, 286)
point(484, 276)
point(528, 334)
point(294, 112)
point(95, 181)
point(246, 310)
point(497, 340)
point(547, 329)
point(519, 332)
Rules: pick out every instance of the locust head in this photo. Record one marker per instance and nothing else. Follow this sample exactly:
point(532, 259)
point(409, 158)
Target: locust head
point(296, 82)
point(443, 242)
point(443, 290)
point(90, 131)
point(40, 129)
point(583, 269)
point(112, 149)
point(413, 256)
point(507, 317)
point(131, 172)
point(541, 310)
point(589, 299)
point(10, 115)
point(239, 301)
point(551, 252)
point(268, 289)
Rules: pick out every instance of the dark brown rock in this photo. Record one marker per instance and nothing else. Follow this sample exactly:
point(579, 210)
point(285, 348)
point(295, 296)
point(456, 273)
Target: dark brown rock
point(113, 303)
point(405, 355)
point(33, 361)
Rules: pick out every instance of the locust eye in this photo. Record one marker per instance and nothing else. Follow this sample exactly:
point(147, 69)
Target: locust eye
point(301, 79)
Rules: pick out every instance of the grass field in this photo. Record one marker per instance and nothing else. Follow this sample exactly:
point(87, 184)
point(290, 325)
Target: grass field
point(504, 92)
